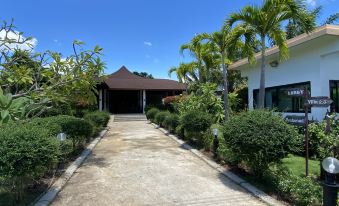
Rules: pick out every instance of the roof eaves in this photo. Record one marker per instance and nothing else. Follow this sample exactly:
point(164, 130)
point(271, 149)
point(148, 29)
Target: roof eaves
point(318, 32)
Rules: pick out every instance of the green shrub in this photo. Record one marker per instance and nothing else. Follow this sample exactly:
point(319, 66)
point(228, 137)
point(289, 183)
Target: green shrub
point(76, 129)
point(160, 117)
point(171, 122)
point(53, 128)
point(179, 131)
point(98, 119)
point(26, 152)
point(150, 114)
point(259, 138)
point(194, 124)
point(301, 191)
point(60, 109)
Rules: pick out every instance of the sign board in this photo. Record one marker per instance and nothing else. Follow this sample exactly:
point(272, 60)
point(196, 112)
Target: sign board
point(319, 101)
point(295, 92)
point(295, 119)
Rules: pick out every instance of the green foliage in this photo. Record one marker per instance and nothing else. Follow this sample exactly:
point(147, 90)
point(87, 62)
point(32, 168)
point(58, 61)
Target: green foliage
point(150, 114)
point(58, 109)
point(171, 122)
point(195, 123)
point(98, 119)
point(77, 129)
point(26, 152)
point(301, 191)
point(321, 144)
point(204, 99)
point(160, 117)
point(259, 138)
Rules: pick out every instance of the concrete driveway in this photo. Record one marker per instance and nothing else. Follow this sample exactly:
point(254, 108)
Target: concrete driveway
point(135, 164)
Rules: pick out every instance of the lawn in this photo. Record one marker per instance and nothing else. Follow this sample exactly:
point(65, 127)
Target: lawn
point(297, 165)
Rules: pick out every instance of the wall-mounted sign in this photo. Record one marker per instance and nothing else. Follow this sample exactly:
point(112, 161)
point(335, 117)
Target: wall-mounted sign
point(295, 119)
point(295, 92)
point(319, 101)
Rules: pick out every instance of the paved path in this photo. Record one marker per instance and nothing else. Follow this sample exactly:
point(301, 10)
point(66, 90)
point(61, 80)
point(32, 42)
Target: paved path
point(135, 164)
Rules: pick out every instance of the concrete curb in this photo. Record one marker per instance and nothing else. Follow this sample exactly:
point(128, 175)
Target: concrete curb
point(53, 191)
point(247, 186)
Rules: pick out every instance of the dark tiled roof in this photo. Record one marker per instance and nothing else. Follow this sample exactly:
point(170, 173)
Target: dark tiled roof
point(125, 80)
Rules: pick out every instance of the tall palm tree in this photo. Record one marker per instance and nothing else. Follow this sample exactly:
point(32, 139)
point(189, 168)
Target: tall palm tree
point(227, 44)
point(266, 21)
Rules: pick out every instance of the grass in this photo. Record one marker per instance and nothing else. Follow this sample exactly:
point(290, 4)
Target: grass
point(297, 165)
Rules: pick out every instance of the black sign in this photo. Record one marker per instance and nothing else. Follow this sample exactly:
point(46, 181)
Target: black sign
point(319, 101)
point(295, 120)
point(295, 92)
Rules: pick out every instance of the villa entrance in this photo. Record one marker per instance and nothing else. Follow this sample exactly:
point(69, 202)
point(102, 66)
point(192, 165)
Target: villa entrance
point(123, 102)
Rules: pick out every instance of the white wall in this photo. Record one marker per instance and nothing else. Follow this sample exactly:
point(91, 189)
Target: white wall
point(316, 61)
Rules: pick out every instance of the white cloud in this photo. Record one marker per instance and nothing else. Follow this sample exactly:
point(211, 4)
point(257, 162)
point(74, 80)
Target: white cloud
point(147, 43)
point(312, 3)
point(55, 40)
point(30, 44)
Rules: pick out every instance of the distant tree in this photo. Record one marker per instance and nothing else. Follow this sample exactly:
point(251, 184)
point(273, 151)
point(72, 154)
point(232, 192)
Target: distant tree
point(293, 28)
point(143, 74)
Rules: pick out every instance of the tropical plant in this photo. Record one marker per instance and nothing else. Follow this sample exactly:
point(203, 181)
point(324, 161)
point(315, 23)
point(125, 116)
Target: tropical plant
point(48, 77)
point(144, 74)
point(227, 44)
point(203, 99)
point(293, 28)
point(266, 22)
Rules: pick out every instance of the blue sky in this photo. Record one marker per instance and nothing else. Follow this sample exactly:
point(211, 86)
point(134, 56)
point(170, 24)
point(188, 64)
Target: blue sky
point(142, 35)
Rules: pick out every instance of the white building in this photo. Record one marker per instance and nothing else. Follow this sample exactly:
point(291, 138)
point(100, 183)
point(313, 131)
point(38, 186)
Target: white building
point(313, 62)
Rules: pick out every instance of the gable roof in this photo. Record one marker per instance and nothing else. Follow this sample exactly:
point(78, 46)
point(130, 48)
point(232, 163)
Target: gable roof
point(123, 79)
point(303, 38)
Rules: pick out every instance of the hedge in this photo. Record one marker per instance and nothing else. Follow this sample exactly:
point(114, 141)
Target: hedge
point(99, 119)
point(150, 114)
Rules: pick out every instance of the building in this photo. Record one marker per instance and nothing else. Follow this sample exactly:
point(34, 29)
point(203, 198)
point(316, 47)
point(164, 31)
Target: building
point(125, 92)
point(313, 63)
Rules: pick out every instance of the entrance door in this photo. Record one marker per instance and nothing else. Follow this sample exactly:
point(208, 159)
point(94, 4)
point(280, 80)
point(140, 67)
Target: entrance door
point(121, 102)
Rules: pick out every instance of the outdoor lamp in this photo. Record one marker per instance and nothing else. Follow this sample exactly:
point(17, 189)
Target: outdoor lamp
point(330, 186)
point(215, 142)
point(61, 136)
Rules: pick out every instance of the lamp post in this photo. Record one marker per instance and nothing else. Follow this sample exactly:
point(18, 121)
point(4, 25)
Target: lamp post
point(215, 143)
point(61, 136)
point(330, 186)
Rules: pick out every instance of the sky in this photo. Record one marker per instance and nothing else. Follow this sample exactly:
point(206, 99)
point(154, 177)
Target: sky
point(143, 35)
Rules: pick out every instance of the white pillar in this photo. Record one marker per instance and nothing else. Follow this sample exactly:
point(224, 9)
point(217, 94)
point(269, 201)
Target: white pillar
point(100, 100)
point(105, 102)
point(143, 100)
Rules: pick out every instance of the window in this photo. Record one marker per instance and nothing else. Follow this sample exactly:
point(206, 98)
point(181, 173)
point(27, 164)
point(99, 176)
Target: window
point(334, 94)
point(277, 98)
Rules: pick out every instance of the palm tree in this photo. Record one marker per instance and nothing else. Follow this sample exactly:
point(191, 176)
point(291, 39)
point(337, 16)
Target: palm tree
point(227, 44)
point(266, 21)
point(293, 29)
point(186, 72)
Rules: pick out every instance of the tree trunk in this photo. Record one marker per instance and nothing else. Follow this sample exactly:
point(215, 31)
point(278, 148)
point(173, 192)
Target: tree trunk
point(224, 70)
point(262, 75)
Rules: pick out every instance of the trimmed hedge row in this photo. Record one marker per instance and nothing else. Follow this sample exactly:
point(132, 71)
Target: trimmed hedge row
point(255, 140)
point(29, 149)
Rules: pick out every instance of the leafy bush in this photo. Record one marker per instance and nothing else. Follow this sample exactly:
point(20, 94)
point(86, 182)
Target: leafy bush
point(77, 129)
point(26, 152)
point(150, 114)
point(324, 144)
point(53, 128)
point(203, 99)
point(60, 109)
point(301, 191)
point(98, 119)
point(179, 130)
point(194, 124)
point(171, 122)
point(160, 117)
point(259, 138)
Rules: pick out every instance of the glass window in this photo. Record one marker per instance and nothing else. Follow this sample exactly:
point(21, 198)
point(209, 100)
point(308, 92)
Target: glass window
point(334, 92)
point(277, 98)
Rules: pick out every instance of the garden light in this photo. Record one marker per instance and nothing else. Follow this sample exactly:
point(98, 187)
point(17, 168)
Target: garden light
point(215, 142)
point(330, 186)
point(61, 137)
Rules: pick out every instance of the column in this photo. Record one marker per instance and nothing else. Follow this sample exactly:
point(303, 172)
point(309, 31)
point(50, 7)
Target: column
point(143, 101)
point(100, 100)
